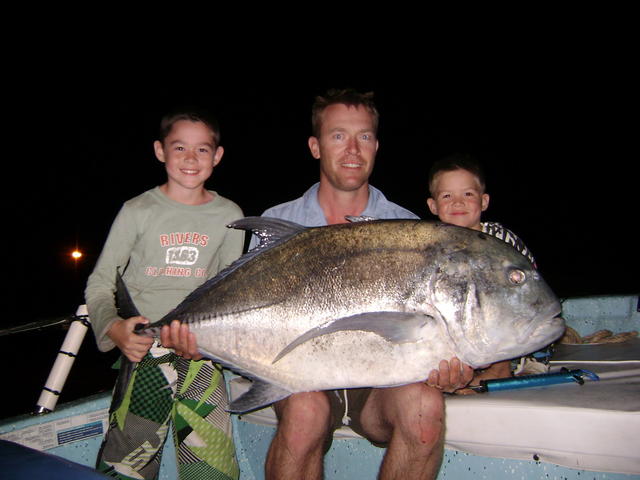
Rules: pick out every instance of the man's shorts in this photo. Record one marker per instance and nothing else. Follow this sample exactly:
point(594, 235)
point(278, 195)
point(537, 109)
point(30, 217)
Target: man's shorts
point(348, 411)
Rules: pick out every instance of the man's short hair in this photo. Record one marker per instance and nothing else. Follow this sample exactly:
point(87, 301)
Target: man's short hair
point(346, 96)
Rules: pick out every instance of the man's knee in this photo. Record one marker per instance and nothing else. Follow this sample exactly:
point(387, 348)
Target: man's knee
point(304, 419)
point(414, 412)
point(422, 414)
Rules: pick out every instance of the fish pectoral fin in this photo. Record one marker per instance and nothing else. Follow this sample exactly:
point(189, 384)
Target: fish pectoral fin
point(259, 395)
point(395, 327)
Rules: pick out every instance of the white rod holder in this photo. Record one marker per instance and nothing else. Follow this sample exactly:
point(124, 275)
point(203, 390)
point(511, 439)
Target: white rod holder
point(64, 361)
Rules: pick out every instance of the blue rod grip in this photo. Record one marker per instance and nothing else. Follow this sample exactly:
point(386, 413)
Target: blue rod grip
point(530, 381)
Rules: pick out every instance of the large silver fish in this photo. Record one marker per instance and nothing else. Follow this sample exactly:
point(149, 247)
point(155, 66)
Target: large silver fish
point(366, 304)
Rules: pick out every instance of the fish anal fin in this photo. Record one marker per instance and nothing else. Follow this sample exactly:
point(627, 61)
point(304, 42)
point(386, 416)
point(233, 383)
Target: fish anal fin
point(395, 327)
point(259, 395)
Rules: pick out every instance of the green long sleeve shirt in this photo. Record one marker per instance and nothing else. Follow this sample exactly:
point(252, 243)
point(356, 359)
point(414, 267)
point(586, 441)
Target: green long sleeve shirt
point(166, 249)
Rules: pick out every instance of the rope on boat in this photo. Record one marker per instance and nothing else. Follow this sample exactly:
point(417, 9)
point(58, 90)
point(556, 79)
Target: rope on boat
point(601, 336)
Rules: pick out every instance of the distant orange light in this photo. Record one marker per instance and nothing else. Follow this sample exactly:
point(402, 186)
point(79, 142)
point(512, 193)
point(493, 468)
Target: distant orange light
point(76, 254)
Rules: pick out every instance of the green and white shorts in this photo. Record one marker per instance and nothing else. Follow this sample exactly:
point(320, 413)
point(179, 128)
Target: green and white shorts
point(165, 389)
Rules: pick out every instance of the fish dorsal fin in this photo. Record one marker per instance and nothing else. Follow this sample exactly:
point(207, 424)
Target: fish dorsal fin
point(359, 218)
point(270, 231)
point(259, 395)
point(395, 327)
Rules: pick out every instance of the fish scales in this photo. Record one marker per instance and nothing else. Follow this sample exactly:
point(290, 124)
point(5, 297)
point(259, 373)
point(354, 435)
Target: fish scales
point(289, 273)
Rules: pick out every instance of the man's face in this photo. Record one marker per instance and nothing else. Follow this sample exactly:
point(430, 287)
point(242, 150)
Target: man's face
point(458, 199)
point(346, 148)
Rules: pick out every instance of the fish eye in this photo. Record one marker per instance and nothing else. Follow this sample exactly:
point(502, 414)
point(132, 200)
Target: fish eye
point(517, 276)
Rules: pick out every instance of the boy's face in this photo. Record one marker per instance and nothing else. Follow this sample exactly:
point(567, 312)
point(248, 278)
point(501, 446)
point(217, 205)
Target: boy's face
point(459, 199)
point(189, 153)
point(346, 147)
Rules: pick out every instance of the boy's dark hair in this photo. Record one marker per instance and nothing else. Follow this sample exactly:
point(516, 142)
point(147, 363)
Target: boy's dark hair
point(192, 114)
point(453, 162)
point(345, 96)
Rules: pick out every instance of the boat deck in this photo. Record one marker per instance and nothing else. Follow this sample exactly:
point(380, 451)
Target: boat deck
point(566, 431)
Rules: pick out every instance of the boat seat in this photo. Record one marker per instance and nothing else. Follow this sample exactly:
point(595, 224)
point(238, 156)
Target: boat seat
point(595, 426)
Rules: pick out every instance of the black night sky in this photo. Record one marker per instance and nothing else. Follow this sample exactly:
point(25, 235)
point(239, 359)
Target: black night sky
point(557, 137)
point(557, 157)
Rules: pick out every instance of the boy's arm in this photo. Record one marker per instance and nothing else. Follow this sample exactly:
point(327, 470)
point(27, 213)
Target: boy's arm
point(101, 286)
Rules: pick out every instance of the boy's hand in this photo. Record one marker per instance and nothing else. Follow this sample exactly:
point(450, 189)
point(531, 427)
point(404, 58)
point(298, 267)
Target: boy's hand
point(176, 335)
point(450, 376)
point(132, 345)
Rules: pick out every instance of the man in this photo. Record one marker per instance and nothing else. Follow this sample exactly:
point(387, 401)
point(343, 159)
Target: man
point(409, 420)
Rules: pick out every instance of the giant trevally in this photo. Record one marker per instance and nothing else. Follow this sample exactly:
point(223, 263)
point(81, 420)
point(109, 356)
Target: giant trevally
point(365, 304)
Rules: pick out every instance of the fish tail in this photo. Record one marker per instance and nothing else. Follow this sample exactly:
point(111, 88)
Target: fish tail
point(124, 302)
point(126, 309)
point(122, 382)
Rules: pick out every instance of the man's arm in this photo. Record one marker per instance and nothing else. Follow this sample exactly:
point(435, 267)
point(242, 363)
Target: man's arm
point(495, 370)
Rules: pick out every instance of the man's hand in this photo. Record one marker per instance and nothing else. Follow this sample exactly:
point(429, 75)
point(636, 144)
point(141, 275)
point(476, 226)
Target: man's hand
point(495, 370)
point(450, 376)
point(132, 345)
point(176, 335)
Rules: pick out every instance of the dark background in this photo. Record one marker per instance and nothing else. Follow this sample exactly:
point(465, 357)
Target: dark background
point(555, 128)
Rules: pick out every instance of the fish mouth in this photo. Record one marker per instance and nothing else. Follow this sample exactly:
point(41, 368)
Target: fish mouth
point(543, 326)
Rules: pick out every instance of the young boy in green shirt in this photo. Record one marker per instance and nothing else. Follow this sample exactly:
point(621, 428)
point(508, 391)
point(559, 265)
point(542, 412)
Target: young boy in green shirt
point(167, 241)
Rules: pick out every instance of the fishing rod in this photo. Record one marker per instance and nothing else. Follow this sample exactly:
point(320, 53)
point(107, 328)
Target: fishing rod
point(37, 325)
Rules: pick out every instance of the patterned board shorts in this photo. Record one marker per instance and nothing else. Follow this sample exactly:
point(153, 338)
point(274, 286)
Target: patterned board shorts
point(166, 389)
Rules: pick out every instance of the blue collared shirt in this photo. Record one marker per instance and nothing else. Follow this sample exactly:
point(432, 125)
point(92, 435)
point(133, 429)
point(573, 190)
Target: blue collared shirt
point(307, 211)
